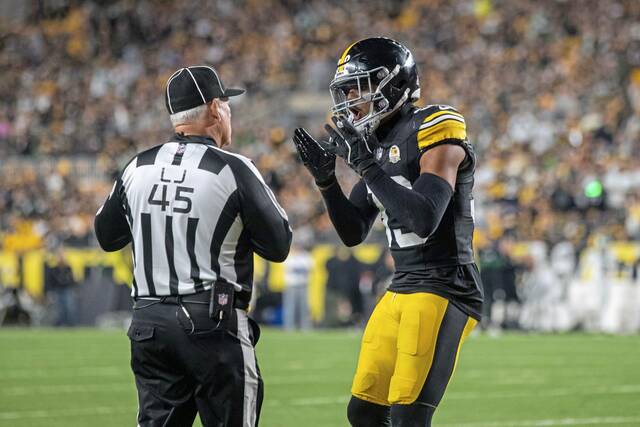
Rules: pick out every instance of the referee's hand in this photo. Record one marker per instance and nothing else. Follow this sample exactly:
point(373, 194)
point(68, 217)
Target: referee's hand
point(320, 162)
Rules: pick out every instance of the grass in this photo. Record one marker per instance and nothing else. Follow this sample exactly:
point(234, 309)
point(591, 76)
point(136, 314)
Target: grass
point(82, 377)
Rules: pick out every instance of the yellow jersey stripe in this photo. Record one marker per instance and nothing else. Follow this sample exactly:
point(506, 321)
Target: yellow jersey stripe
point(441, 113)
point(447, 129)
point(440, 119)
point(444, 126)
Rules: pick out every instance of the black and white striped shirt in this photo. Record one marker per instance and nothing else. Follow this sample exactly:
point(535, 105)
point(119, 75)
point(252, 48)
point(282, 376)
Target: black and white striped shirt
point(195, 214)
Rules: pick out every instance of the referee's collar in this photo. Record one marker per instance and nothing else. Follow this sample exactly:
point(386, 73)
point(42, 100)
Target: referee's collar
point(202, 139)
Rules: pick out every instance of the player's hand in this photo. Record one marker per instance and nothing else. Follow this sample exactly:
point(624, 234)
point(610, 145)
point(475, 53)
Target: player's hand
point(320, 162)
point(345, 141)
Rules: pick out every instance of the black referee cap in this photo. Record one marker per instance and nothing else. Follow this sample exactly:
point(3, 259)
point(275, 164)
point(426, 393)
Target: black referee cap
point(190, 87)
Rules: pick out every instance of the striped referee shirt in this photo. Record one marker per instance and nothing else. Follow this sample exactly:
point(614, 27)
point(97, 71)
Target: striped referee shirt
point(194, 214)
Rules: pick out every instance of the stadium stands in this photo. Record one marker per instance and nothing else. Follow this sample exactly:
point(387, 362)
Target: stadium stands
point(550, 90)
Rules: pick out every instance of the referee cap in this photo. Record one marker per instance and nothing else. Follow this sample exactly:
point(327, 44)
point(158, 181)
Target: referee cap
point(192, 86)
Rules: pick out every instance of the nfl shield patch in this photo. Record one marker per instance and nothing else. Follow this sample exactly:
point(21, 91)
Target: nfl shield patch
point(223, 299)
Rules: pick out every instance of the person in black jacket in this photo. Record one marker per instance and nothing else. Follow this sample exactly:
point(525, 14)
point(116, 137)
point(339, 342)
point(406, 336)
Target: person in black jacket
point(60, 286)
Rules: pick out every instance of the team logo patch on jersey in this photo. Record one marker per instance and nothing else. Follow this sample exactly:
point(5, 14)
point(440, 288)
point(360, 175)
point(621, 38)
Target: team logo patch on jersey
point(378, 153)
point(394, 154)
point(181, 149)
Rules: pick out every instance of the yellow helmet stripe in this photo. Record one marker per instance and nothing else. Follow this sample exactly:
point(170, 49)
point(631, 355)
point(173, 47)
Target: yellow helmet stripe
point(344, 56)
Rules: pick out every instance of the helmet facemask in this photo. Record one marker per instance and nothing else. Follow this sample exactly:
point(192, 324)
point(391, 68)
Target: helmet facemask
point(370, 88)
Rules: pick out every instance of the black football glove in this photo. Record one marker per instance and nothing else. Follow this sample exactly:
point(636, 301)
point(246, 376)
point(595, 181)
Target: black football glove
point(345, 141)
point(320, 162)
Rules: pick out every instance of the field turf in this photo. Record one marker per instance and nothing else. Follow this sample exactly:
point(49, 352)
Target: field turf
point(82, 378)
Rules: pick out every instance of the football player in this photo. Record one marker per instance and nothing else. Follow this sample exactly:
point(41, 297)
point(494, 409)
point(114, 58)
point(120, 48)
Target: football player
point(417, 170)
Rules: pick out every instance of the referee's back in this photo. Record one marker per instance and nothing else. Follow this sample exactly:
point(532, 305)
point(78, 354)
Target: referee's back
point(195, 214)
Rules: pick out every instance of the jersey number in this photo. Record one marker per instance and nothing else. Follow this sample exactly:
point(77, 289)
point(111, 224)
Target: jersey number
point(403, 240)
point(179, 197)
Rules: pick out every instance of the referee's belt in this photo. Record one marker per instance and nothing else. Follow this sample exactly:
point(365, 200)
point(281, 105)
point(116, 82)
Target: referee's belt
point(203, 297)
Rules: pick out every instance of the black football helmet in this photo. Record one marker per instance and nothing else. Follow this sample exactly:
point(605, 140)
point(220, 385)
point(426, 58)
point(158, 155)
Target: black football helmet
point(377, 71)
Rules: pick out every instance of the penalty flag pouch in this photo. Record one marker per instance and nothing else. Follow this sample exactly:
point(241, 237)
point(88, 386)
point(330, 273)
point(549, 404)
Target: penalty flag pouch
point(221, 304)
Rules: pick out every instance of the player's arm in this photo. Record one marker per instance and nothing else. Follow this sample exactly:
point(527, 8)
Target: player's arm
point(262, 216)
point(352, 217)
point(422, 207)
point(419, 209)
point(110, 224)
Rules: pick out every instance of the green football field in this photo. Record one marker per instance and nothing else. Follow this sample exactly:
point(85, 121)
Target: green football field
point(82, 378)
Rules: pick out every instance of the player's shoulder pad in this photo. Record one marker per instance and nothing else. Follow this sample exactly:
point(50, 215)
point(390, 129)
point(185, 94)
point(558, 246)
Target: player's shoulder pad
point(438, 123)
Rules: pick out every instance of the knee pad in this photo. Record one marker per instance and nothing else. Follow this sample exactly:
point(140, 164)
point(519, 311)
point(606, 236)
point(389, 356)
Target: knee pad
point(366, 414)
point(413, 415)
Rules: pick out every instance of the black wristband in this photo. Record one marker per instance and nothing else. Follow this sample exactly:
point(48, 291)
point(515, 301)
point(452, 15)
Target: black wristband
point(327, 182)
point(372, 173)
point(365, 165)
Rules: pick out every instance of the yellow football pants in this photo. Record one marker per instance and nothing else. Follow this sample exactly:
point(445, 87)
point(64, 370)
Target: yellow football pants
point(409, 349)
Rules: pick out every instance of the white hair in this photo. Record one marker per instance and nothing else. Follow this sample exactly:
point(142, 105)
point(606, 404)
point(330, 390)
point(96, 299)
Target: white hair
point(188, 116)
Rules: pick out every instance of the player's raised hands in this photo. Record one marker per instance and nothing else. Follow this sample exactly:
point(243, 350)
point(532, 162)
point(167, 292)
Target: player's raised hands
point(345, 141)
point(320, 162)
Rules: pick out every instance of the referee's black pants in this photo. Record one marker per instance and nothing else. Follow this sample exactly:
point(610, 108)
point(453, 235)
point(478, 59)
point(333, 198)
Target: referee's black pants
point(185, 364)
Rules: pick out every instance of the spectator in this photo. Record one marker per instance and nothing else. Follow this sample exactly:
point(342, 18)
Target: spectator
point(59, 287)
point(343, 303)
point(12, 311)
point(295, 298)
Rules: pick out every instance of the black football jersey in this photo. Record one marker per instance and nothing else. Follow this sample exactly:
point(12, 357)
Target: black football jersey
point(442, 263)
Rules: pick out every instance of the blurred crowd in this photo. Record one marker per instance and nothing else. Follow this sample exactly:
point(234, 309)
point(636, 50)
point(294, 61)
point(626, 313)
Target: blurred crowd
point(550, 90)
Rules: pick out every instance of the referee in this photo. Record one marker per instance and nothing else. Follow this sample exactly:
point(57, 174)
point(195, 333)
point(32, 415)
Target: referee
point(194, 215)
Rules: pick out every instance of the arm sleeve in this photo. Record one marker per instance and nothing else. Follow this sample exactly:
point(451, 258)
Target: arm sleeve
point(353, 217)
point(262, 216)
point(420, 208)
point(111, 226)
